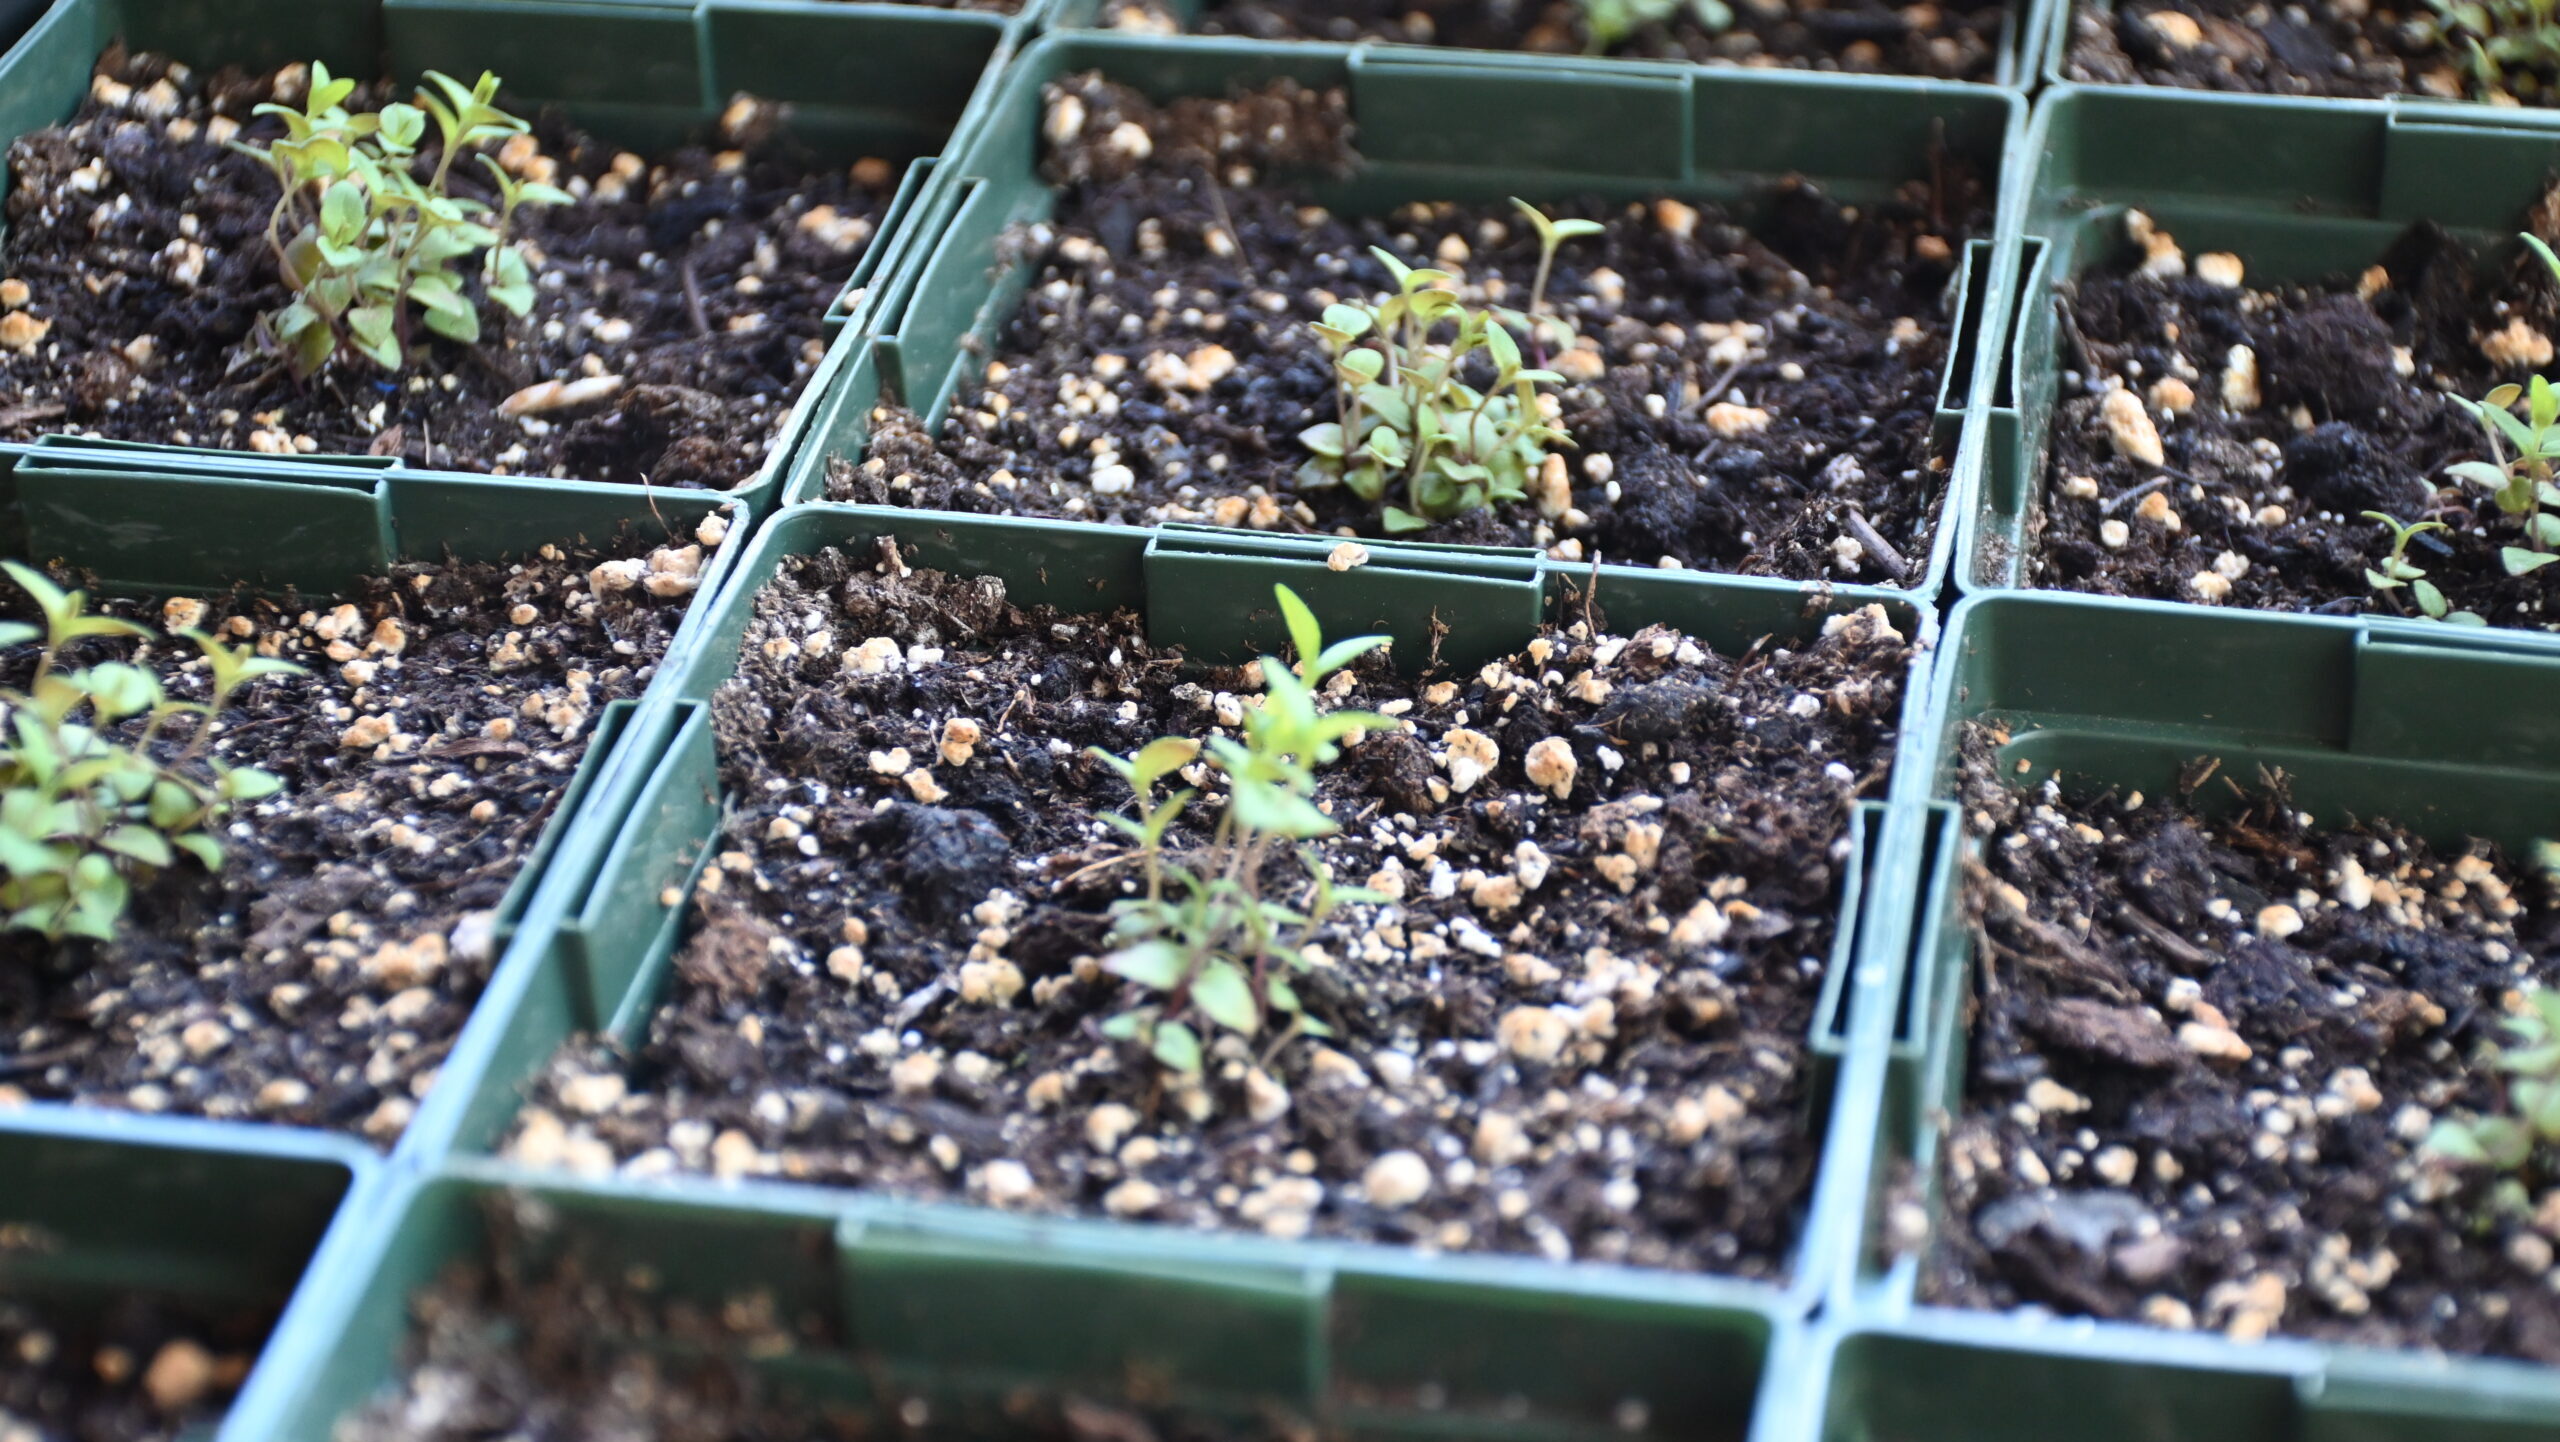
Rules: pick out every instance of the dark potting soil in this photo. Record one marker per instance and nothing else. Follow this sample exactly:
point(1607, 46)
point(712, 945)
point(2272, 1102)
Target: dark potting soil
point(322, 977)
point(2348, 48)
point(2205, 1055)
point(1578, 1030)
point(2261, 498)
point(1866, 37)
point(701, 283)
point(540, 1344)
point(134, 1370)
point(1756, 401)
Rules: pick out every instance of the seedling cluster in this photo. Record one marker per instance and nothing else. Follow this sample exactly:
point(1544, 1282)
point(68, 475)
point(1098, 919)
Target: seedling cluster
point(359, 238)
point(1208, 939)
point(2506, 1142)
point(2508, 47)
point(1405, 412)
point(1606, 24)
point(89, 806)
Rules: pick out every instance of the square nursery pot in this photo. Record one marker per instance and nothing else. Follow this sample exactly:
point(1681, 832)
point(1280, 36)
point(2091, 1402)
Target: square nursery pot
point(155, 520)
point(607, 951)
point(140, 1232)
point(2016, 49)
point(888, 1304)
point(2300, 190)
point(2052, 33)
point(2449, 738)
point(1617, 131)
point(892, 81)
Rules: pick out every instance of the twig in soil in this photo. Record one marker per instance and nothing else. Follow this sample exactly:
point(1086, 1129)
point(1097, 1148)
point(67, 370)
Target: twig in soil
point(1590, 589)
point(919, 1003)
point(30, 413)
point(2112, 503)
point(693, 298)
point(2180, 950)
point(1226, 222)
point(1707, 395)
point(1877, 546)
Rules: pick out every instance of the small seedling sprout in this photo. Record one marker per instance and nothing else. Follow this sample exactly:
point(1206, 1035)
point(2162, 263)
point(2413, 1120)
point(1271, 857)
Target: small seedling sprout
point(1606, 24)
point(2398, 571)
point(1207, 941)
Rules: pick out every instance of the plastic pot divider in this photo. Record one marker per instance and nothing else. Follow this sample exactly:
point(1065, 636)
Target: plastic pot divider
point(2019, 46)
point(1424, 119)
point(897, 81)
point(2441, 732)
point(2298, 189)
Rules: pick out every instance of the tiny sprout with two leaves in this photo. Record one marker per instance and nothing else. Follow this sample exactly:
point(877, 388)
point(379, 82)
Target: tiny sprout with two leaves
point(1606, 24)
point(2397, 571)
point(85, 813)
point(1405, 416)
point(358, 237)
point(1204, 938)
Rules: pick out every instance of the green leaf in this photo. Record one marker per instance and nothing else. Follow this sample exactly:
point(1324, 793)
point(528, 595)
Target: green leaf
point(1325, 440)
point(1177, 1046)
point(2430, 599)
point(1305, 635)
point(18, 633)
point(203, 848)
point(2550, 261)
point(1223, 991)
point(1342, 653)
point(2521, 562)
point(1160, 758)
point(1156, 964)
point(248, 783)
point(2479, 473)
point(371, 327)
point(1398, 519)
point(1283, 997)
point(437, 292)
point(1266, 808)
point(141, 843)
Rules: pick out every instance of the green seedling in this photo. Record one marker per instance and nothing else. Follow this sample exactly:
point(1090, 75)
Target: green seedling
point(91, 804)
point(2506, 1142)
point(1405, 417)
point(2508, 47)
point(1208, 942)
point(2397, 571)
point(2521, 485)
point(364, 243)
point(1607, 24)
point(1552, 234)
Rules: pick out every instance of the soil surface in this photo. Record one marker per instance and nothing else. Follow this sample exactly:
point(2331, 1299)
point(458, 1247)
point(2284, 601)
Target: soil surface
point(2342, 403)
point(321, 978)
point(1578, 1028)
point(2359, 50)
point(2205, 1054)
point(1865, 37)
point(700, 282)
point(550, 1348)
point(137, 1370)
point(1741, 400)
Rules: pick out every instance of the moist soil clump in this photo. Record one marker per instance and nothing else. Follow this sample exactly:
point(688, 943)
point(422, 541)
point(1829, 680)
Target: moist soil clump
point(689, 295)
point(2321, 47)
point(136, 1369)
point(2280, 417)
point(1746, 400)
point(321, 977)
point(2205, 1056)
point(542, 1345)
point(1866, 37)
point(1576, 1026)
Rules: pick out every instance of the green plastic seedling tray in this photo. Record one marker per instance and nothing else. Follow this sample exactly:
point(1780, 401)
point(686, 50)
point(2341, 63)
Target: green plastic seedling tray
point(860, 79)
point(1617, 130)
point(153, 520)
point(2299, 189)
point(901, 1301)
point(205, 1213)
point(611, 919)
point(2016, 70)
point(2454, 736)
point(2049, 53)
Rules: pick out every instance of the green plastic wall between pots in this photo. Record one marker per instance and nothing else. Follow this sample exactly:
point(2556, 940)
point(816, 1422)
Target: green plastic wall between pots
point(145, 519)
point(860, 79)
point(2018, 44)
point(101, 1208)
point(2049, 52)
point(896, 1302)
point(1421, 117)
point(606, 931)
point(2298, 189)
point(2442, 733)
